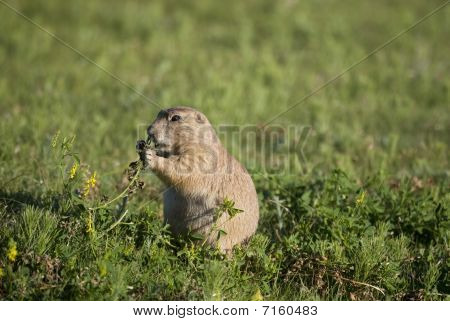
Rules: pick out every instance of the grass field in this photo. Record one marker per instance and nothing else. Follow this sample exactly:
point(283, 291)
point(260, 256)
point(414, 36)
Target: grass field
point(365, 216)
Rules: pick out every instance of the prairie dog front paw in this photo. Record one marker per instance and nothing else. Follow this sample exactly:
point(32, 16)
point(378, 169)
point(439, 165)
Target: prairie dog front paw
point(149, 158)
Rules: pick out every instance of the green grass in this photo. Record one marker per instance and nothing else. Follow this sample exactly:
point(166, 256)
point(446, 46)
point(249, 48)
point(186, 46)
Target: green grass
point(365, 217)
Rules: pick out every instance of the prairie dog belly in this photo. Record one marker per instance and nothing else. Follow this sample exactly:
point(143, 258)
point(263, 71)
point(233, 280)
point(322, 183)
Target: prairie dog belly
point(187, 214)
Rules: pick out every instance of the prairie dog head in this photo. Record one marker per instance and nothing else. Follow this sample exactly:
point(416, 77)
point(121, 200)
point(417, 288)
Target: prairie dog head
point(176, 129)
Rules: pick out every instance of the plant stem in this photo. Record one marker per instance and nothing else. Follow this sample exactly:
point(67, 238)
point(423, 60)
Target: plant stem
point(117, 222)
point(121, 195)
point(365, 284)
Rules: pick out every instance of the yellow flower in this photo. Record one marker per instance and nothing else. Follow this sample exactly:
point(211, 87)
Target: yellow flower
point(90, 224)
point(12, 252)
point(361, 197)
point(257, 296)
point(73, 170)
point(92, 180)
point(90, 183)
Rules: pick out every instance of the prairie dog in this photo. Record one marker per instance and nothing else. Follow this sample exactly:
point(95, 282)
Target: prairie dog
point(200, 175)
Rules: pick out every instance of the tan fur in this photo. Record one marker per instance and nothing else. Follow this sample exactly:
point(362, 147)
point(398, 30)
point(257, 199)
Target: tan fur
point(200, 174)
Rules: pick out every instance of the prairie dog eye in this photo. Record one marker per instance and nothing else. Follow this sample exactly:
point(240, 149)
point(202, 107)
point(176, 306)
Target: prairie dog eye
point(175, 118)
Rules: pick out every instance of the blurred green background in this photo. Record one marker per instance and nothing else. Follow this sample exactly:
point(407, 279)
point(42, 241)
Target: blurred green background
point(380, 219)
point(239, 63)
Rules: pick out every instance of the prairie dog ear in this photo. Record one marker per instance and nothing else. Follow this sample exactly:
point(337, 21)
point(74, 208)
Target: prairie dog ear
point(199, 118)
